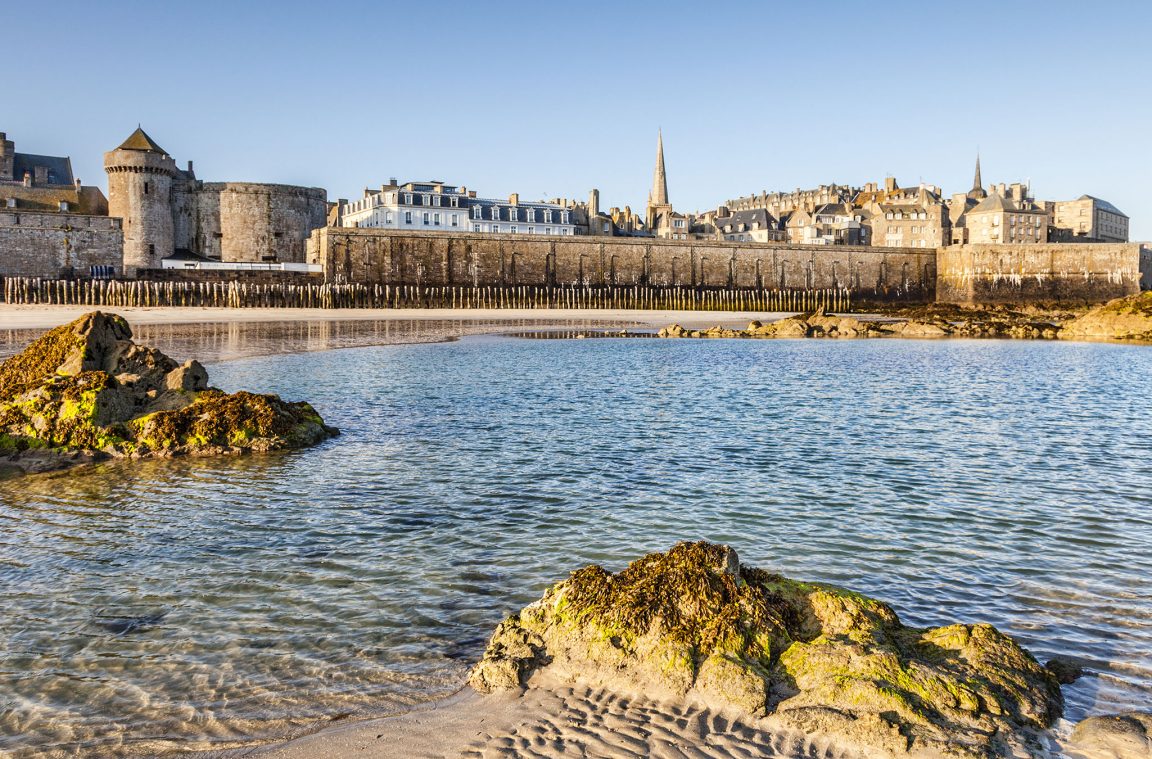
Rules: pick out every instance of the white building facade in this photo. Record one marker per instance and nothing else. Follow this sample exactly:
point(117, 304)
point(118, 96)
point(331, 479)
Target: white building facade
point(438, 207)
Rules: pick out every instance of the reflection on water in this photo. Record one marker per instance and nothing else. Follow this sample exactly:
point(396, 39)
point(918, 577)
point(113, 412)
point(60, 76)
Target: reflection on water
point(222, 341)
point(218, 602)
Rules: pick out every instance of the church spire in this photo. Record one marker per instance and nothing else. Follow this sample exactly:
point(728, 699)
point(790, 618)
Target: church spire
point(977, 183)
point(659, 195)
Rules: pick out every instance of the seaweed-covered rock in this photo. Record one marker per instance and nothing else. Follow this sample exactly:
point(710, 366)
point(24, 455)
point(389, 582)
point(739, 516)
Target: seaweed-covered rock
point(1127, 318)
point(694, 623)
point(87, 387)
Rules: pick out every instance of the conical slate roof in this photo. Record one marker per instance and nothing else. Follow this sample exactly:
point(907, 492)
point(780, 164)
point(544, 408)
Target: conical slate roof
point(659, 195)
point(139, 140)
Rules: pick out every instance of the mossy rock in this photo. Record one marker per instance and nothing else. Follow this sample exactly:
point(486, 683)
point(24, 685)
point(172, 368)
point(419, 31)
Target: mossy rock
point(87, 387)
point(693, 623)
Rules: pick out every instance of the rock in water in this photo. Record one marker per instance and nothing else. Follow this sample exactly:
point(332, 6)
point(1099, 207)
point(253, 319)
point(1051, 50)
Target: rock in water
point(694, 623)
point(1127, 318)
point(86, 387)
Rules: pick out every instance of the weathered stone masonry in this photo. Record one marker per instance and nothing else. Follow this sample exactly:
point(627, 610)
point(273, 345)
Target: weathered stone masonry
point(1089, 273)
point(35, 244)
point(388, 257)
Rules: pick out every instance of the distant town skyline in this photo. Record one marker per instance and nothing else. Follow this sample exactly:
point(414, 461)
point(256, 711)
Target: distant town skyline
point(551, 102)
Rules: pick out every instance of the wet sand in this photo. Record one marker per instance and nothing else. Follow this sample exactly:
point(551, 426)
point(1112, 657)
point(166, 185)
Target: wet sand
point(555, 720)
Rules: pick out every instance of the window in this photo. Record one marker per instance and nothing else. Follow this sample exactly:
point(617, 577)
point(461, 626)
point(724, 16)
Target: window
point(475, 227)
point(436, 219)
point(146, 190)
point(547, 217)
point(495, 212)
point(454, 201)
point(513, 229)
point(548, 230)
point(563, 217)
point(425, 200)
point(495, 227)
point(477, 212)
point(531, 214)
point(436, 200)
point(407, 217)
point(513, 214)
point(388, 217)
point(407, 198)
point(455, 220)
point(607, 227)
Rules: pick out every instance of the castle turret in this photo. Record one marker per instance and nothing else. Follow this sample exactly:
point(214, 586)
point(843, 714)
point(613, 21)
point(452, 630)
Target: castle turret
point(140, 176)
point(7, 158)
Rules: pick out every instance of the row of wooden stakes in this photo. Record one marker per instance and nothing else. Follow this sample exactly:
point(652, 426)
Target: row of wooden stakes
point(116, 293)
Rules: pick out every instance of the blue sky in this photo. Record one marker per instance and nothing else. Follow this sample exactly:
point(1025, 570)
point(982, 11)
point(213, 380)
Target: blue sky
point(553, 99)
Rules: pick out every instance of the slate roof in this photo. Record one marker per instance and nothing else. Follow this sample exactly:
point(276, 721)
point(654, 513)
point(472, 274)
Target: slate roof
point(742, 221)
point(139, 140)
point(1104, 205)
point(59, 167)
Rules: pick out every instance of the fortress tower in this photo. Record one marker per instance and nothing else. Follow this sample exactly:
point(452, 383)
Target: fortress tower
point(140, 178)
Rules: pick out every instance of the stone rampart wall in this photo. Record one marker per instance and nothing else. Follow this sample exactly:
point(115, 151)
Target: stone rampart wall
point(58, 244)
point(391, 257)
point(1045, 272)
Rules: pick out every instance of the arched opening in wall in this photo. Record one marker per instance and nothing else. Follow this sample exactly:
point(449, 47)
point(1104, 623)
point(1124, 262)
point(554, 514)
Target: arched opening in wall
point(783, 275)
point(582, 273)
point(701, 278)
point(612, 269)
point(836, 275)
point(759, 274)
point(675, 274)
point(904, 279)
point(512, 267)
point(928, 277)
point(503, 267)
point(856, 276)
point(473, 266)
point(882, 282)
point(732, 270)
point(646, 263)
point(808, 275)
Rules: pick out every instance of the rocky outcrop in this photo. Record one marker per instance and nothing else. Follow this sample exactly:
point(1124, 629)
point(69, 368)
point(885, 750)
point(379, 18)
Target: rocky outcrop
point(693, 623)
point(1115, 736)
point(86, 391)
point(925, 322)
point(1121, 319)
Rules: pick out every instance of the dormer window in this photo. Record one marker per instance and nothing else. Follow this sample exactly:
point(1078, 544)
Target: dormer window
point(426, 201)
point(407, 198)
point(477, 212)
point(547, 217)
point(531, 214)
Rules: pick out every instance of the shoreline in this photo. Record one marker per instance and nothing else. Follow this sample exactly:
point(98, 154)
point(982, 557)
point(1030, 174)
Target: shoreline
point(19, 317)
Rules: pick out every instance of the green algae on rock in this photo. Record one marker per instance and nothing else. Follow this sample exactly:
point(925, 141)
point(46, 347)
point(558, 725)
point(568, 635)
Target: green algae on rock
point(692, 622)
point(1127, 318)
point(86, 388)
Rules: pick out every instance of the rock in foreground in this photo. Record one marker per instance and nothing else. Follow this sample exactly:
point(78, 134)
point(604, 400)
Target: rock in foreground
point(694, 623)
point(85, 391)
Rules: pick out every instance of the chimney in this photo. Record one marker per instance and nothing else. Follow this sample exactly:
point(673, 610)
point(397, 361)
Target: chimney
point(890, 184)
point(392, 182)
point(594, 202)
point(514, 199)
point(77, 184)
point(27, 178)
point(190, 167)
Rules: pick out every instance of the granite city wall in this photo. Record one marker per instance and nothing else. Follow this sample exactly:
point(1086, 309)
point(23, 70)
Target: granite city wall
point(58, 244)
point(1032, 273)
point(396, 257)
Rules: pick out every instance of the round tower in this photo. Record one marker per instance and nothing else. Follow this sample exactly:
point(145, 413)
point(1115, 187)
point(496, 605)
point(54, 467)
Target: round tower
point(140, 176)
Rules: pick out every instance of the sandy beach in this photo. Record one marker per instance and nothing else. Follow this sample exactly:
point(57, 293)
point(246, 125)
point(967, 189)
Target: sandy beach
point(555, 720)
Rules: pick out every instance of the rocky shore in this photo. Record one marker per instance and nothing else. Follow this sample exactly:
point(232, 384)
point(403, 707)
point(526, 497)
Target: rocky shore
point(695, 624)
point(1122, 319)
point(85, 391)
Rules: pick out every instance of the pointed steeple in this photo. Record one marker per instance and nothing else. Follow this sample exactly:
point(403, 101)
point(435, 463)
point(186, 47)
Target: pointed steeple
point(139, 140)
point(659, 196)
point(977, 191)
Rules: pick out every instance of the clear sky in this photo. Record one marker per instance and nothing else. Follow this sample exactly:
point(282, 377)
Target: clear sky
point(552, 99)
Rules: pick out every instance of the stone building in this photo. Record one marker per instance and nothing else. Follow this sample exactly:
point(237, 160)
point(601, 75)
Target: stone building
point(1006, 218)
point(912, 217)
point(167, 209)
point(663, 221)
point(439, 207)
point(753, 225)
point(781, 204)
point(830, 224)
point(1087, 219)
point(44, 183)
point(50, 224)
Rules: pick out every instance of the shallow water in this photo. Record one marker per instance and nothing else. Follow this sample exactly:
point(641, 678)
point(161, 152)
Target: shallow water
point(219, 602)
